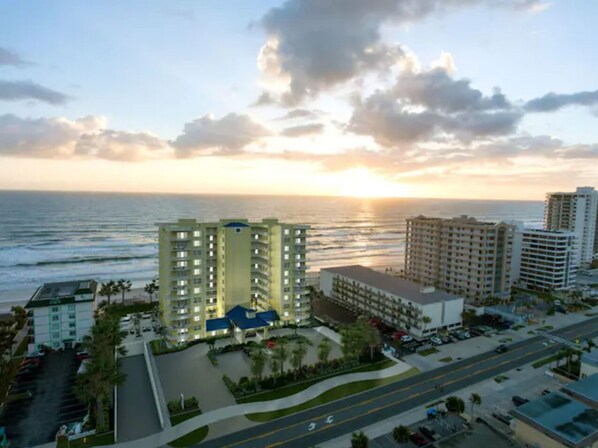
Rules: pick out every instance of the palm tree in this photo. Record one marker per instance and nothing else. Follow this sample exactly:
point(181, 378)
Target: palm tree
point(297, 355)
point(258, 362)
point(455, 404)
point(280, 355)
point(151, 288)
point(359, 440)
point(589, 345)
point(401, 434)
point(475, 400)
point(274, 366)
point(371, 337)
point(108, 290)
point(324, 349)
point(426, 320)
point(123, 286)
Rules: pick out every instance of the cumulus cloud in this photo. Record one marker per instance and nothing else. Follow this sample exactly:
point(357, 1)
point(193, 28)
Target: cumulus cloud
point(265, 99)
point(313, 45)
point(28, 90)
point(437, 90)
point(225, 136)
point(120, 146)
point(298, 113)
point(555, 101)
point(303, 130)
point(44, 137)
point(8, 57)
point(61, 138)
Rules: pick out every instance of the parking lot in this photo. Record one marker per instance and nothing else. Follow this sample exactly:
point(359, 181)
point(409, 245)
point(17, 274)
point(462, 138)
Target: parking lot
point(41, 399)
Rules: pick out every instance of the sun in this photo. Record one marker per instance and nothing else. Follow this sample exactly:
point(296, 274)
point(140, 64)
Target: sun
point(362, 183)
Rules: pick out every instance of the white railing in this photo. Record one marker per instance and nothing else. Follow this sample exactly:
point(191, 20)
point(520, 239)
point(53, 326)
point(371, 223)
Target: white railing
point(150, 372)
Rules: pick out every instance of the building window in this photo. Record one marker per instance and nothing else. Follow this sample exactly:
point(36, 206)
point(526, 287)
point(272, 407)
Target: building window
point(55, 318)
point(196, 318)
point(72, 333)
point(71, 307)
point(286, 256)
point(286, 231)
point(286, 273)
point(55, 326)
point(196, 233)
point(56, 335)
point(195, 290)
point(72, 324)
point(54, 309)
point(286, 314)
point(196, 309)
point(196, 271)
point(286, 297)
point(286, 248)
point(196, 243)
point(72, 316)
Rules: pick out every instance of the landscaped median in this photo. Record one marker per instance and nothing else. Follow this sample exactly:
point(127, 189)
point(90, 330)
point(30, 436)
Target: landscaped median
point(333, 394)
point(179, 414)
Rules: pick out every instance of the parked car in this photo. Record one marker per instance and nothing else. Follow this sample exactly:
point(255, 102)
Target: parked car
point(557, 303)
point(428, 431)
point(406, 338)
point(505, 418)
point(146, 329)
point(82, 355)
point(502, 348)
point(250, 334)
point(436, 340)
point(546, 391)
point(518, 401)
point(445, 339)
point(418, 439)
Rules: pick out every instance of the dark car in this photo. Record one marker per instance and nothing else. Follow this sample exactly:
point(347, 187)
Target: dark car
point(518, 401)
point(546, 391)
point(505, 418)
point(418, 439)
point(501, 348)
point(429, 432)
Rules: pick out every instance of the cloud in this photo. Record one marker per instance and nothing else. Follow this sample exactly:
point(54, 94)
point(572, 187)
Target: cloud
point(225, 136)
point(265, 99)
point(44, 137)
point(120, 146)
point(60, 138)
point(313, 45)
point(555, 101)
point(8, 57)
point(298, 113)
point(28, 90)
point(303, 130)
point(437, 90)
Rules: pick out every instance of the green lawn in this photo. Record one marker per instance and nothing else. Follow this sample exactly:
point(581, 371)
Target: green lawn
point(428, 351)
point(447, 359)
point(544, 361)
point(191, 438)
point(331, 395)
point(294, 388)
point(517, 327)
point(179, 418)
point(499, 379)
point(118, 310)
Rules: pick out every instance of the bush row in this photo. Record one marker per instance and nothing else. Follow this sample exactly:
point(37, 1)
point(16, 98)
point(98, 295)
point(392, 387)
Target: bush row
point(247, 386)
point(174, 406)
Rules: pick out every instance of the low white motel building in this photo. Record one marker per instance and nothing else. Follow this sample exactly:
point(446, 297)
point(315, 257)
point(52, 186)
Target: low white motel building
point(398, 302)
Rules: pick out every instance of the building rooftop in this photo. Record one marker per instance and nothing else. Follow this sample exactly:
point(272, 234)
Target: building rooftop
point(406, 289)
point(63, 292)
point(562, 418)
point(242, 318)
point(463, 219)
point(585, 389)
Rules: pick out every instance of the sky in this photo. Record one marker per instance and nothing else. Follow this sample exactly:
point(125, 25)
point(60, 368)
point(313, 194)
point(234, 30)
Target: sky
point(491, 99)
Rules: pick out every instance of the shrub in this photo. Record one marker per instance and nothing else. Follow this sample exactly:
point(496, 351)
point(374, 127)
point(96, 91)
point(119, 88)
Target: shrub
point(212, 358)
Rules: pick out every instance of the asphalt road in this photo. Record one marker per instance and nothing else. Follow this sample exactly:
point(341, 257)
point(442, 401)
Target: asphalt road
point(317, 425)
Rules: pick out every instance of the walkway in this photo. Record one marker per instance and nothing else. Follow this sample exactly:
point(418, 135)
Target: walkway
point(217, 415)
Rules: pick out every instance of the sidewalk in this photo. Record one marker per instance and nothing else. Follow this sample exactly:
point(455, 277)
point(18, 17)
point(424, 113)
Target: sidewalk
point(169, 434)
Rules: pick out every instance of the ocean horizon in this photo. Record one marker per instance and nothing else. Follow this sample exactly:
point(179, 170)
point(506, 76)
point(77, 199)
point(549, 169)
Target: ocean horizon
point(54, 236)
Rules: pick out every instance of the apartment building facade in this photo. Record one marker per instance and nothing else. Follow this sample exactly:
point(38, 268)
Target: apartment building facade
point(461, 255)
point(62, 314)
point(576, 212)
point(397, 302)
point(546, 260)
point(207, 269)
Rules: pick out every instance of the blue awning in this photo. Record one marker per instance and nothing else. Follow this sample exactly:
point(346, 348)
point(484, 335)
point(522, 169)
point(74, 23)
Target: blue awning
point(236, 224)
point(268, 316)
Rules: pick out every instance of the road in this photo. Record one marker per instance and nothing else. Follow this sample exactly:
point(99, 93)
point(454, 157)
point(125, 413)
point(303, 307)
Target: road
point(322, 423)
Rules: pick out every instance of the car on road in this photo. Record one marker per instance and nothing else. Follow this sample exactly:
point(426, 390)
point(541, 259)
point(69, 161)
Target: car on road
point(436, 340)
point(418, 439)
point(546, 391)
point(502, 348)
point(518, 401)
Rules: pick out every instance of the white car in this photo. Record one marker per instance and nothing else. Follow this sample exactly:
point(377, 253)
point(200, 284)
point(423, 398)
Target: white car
point(436, 340)
point(406, 338)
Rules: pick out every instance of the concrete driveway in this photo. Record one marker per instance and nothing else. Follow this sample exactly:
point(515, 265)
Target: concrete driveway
point(137, 414)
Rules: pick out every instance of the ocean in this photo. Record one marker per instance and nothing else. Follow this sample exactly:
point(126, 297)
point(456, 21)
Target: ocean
point(55, 236)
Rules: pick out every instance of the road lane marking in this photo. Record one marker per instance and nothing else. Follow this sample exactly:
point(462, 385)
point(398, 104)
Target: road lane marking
point(330, 419)
point(526, 346)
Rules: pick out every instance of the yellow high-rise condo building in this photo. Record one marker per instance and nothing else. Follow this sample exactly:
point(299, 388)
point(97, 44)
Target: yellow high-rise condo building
point(208, 269)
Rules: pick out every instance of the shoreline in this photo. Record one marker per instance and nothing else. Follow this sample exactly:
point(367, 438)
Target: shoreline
point(20, 297)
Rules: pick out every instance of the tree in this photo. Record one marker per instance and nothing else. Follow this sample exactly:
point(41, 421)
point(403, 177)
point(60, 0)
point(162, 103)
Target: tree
point(401, 434)
point(20, 314)
point(370, 336)
point(475, 400)
point(426, 320)
point(589, 345)
point(108, 290)
point(211, 341)
point(137, 323)
point(280, 354)
point(298, 354)
point(359, 440)
point(455, 404)
point(151, 288)
point(575, 296)
point(324, 349)
point(123, 286)
point(258, 362)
